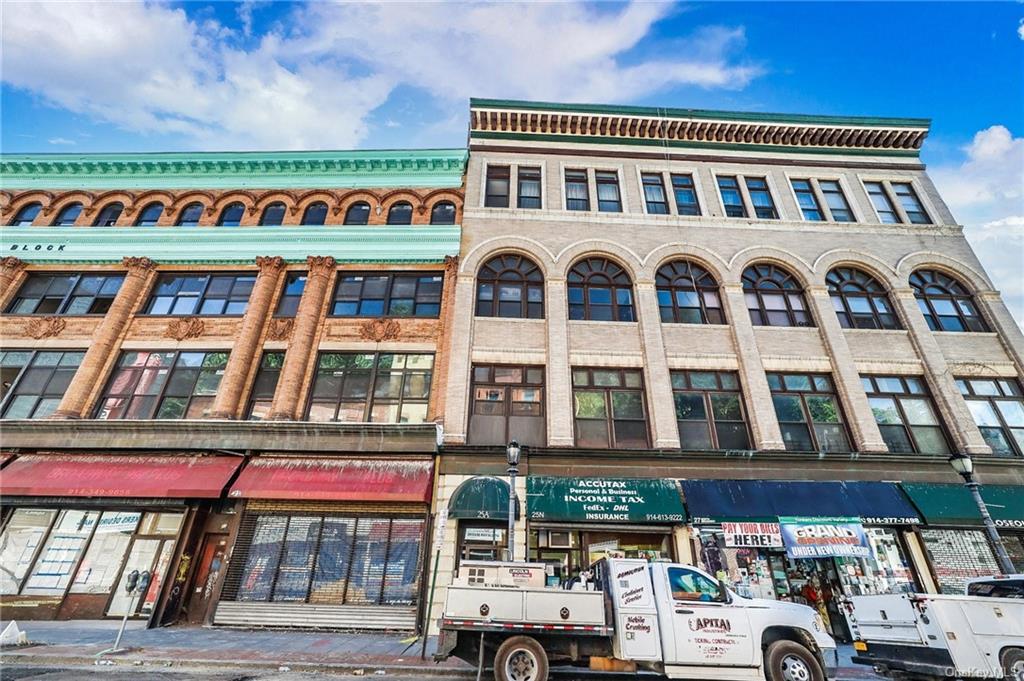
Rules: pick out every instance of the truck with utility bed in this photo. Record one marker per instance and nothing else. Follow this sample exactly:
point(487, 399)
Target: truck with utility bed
point(625, 615)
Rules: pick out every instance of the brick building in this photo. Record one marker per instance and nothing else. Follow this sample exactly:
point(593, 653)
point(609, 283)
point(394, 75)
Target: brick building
point(704, 321)
point(223, 369)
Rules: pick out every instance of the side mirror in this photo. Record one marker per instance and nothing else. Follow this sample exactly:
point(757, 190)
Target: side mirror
point(725, 596)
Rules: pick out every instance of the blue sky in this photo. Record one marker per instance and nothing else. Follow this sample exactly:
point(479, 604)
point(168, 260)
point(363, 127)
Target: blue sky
point(84, 77)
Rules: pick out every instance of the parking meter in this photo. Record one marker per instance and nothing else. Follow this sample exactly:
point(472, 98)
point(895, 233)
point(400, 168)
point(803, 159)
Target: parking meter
point(131, 581)
point(144, 581)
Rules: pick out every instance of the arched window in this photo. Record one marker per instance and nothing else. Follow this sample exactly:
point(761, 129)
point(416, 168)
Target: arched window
point(510, 285)
point(273, 214)
point(687, 294)
point(774, 297)
point(68, 215)
point(860, 301)
point(400, 214)
point(149, 215)
point(315, 214)
point(190, 215)
point(231, 215)
point(109, 214)
point(947, 305)
point(358, 213)
point(600, 290)
point(26, 215)
point(443, 213)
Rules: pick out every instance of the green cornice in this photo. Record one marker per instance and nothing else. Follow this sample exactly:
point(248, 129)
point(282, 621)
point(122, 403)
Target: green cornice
point(215, 245)
point(236, 170)
point(708, 114)
point(683, 144)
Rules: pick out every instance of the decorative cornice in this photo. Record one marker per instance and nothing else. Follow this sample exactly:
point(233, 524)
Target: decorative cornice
point(236, 170)
point(270, 263)
point(544, 121)
point(138, 263)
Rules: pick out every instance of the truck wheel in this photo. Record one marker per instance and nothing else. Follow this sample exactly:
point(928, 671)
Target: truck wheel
point(789, 661)
point(520, 658)
point(1013, 664)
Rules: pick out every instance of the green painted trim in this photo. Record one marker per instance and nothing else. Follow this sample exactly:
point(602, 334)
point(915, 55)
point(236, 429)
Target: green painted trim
point(236, 170)
point(216, 245)
point(583, 139)
point(711, 114)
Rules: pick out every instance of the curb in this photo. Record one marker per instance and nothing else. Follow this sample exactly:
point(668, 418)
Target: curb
point(7, 658)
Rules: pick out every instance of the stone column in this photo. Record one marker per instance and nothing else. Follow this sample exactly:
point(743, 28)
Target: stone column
point(10, 278)
point(245, 352)
point(559, 373)
point(955, 414)
point(459, 356)
point(300, 346)
point(760, 411)
point(659, 383)
point(859, 418)
point(106, 338)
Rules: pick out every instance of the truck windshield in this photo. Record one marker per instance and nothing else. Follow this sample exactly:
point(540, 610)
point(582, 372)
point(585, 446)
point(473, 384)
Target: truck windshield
point(1002, 588)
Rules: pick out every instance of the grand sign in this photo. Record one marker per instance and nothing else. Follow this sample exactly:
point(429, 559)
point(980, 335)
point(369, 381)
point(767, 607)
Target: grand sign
point(604, 500)
point(824, 537)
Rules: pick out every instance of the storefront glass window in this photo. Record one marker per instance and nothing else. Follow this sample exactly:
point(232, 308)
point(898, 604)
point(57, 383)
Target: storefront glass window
point(18, 545)
point(106, 552)
point(481, 541)
point(332, 562)
point(1014, 544)
point(569, 551)
point(161, 523)
point(140, 558)
point(262, 558)
point(296, 564)
point(56, 563)
point(957, 556)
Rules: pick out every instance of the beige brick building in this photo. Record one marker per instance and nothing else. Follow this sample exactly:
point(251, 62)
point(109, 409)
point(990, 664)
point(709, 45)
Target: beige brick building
point(733, 305)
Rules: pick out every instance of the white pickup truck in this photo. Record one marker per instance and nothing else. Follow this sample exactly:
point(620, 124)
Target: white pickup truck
point(926, 636)
point(668, 618)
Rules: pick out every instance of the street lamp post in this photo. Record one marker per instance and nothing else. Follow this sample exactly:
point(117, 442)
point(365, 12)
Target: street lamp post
point(964, 465)
point(512, 452)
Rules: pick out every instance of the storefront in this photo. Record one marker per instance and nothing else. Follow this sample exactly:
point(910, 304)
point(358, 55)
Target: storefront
point(955, 542)
point(328, 542)
point(76, 525)
point(480, 505)
point(574, 522)
point(748, 532)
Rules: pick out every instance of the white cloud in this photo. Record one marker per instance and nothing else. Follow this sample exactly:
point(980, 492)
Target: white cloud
point(314, 80)
point(1020, 29)
point(61, 141)
point(986, 194)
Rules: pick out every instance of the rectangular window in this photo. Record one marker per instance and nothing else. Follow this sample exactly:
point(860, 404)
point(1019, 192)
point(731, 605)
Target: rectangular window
point(709, 410)
point(405, 294)
point(686, 195)
point(609, 408)
point(732, 200)
point(608, 198)
point(327, 559)
point(162, 385)
point(807, 200)
point(66, 294)
point(809, 413)
point(882, 203)
point(761, 198)
point(654, 194)
point(262, 396)
point(508, 404)
point(294, 285)
point(907, 197)
point(577, 193)
point(35, 382)
point(377, 388)
point(836, 200)
point(905, 415)
point(21, 540)
point(529, 188)
point(201, 294)
point(106, 553)
point(997, 405)
point(56, 563)
point(496, 192)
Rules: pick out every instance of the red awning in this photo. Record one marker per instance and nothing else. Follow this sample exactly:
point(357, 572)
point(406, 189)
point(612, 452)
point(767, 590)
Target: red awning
point(4, 458)
point(164, 477)
point(332, 479)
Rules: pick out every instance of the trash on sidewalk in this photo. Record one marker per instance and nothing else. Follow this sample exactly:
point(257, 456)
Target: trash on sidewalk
point(13, 636)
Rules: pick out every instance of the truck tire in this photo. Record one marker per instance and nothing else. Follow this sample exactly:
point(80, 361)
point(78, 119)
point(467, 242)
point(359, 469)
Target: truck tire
point(789, 661)
point(1013, 664)
point(520, 658)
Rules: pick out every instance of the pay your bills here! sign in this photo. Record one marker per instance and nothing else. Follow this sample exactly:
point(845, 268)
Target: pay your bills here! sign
point(752, 535)
point(824, 538)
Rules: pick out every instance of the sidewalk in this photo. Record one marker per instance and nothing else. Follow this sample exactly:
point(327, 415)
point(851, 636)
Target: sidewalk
point(78, 642)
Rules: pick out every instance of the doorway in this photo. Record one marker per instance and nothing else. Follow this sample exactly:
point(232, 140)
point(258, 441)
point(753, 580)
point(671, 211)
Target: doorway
point(212, 555)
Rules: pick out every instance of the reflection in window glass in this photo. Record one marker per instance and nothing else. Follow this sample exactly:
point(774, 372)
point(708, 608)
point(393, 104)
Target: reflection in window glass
point(56, 562)
point(809, 413)
point(102, 561)
point(18, 545)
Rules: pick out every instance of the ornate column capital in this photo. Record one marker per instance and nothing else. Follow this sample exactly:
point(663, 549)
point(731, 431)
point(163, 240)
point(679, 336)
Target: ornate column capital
point(140, 264)
point(320, 265)
point(451, 264)
point(9, 262)
point(270, 263)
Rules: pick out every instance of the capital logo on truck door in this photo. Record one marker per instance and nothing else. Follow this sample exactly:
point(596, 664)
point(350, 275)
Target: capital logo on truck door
point(710, 625)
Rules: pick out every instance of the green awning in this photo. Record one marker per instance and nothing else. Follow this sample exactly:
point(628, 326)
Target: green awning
point(951, 504)
point(482, 497)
